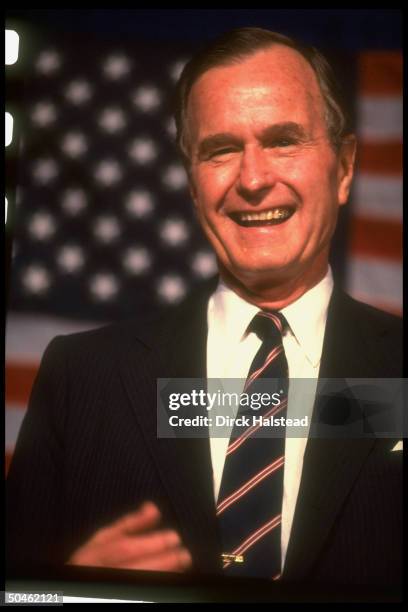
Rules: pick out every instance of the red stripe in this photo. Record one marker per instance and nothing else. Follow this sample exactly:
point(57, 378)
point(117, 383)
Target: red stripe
point(237, 443)
point(378, 303)
point(9, 455)
point(376, 238)
point(395, 310)
point(380, 73)
point(380, 158)
point(271, 357)
point(272, 317)
point(19, 381)
point(250, 484)
point(257, 535)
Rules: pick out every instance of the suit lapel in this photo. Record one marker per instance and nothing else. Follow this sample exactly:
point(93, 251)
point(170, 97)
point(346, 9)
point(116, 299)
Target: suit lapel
point(331, 466)
point(184, 465)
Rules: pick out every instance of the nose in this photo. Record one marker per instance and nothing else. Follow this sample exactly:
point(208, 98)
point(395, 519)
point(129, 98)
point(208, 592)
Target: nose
point(256, 175)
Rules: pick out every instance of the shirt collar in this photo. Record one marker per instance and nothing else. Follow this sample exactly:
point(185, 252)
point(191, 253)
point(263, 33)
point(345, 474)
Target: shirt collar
point(231, 313)
point(306, 316)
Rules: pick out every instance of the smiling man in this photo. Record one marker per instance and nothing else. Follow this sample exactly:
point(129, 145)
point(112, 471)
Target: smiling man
point(270, 161)
point(266, 178)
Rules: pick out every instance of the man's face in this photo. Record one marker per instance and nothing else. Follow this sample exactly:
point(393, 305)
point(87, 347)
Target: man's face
point(265, 179)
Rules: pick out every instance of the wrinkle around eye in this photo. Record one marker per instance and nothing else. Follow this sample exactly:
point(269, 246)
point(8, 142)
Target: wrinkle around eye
point(223, 155)
point(283, 143)
point(290, 148)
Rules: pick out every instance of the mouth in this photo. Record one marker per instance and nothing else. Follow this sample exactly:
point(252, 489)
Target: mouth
point(273, 216)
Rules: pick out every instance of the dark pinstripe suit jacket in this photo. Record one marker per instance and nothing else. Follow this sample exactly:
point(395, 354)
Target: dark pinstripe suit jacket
point(88, 451)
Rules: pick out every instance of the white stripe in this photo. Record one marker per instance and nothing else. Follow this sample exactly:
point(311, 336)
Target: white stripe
point(398, 447)
point(14, 418)
point(271, 357)
point(250, 484)
point(375, 281)
point(72, 599)
point(380, 118)
point(27, 336)
point(252, 539)
point(378, 197)
point(237, 443)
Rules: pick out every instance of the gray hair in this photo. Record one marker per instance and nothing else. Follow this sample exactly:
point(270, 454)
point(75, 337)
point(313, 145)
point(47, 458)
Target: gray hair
point(238, 44)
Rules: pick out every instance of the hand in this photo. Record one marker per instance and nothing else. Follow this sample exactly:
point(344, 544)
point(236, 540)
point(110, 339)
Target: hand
point(131, 543)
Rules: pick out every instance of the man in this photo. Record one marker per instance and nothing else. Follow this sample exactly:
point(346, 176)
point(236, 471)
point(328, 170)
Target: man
point(270, 161)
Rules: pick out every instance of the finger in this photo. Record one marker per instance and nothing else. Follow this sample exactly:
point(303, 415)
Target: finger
point(146, 517)
point(128, 551)
point(177, 560)
point(139, 547)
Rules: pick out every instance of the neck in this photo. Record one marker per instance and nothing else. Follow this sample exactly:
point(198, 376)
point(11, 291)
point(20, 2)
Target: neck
point(274, 294)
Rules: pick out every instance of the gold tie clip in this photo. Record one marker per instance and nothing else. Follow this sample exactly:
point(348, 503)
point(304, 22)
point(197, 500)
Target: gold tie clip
point(232, 558)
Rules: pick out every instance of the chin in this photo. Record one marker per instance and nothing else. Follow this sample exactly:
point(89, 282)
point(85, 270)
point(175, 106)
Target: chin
point(260, 272)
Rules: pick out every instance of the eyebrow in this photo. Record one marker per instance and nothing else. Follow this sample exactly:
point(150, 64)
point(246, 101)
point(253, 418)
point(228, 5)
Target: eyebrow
point(214, 141)
point(278, 130)
point(288, 128)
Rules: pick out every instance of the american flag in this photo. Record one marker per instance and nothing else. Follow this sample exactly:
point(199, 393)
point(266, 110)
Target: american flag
point(105, 227)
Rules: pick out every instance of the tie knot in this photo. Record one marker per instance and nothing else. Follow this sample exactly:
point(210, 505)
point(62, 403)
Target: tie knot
point(268, 325)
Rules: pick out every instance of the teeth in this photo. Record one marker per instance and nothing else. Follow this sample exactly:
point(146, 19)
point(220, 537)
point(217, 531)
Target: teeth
point(276, 213)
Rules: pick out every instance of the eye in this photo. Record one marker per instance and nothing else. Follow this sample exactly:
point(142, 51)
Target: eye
point(221, 154)
point(223, 151)
point(282, 142)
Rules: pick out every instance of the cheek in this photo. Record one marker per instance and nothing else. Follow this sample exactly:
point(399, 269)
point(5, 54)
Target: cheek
point(214, 180)
point(319, 185)
point(211, 187)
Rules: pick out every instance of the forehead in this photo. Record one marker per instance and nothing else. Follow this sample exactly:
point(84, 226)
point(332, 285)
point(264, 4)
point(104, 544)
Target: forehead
point(270, 84)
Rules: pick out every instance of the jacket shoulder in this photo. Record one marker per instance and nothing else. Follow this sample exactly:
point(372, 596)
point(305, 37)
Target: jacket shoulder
point(141, 334)
point(361, 341)
point(369, 316)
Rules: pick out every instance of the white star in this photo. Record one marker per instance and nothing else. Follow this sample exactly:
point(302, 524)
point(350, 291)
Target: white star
point(112, 120)
point(36, 279)
point(143, 150)
point(171, 288)
point(70, 258)
point(177, 68)
point(204, 264)
point(139, 204)
point(137, 260)
point(44, 170)
point(108, 172)
point(174, 232)
point(48, 62)
point(73, 201)
point(74, 144)
point(41, 226)
point(78, 91)
point(116, 67)
point(43, 114)
point(171, 128)
point(175, 177)
point(106, 229)
point(146, 98)
point(104, 286)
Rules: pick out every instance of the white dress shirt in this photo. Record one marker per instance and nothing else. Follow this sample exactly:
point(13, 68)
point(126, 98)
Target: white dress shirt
point(230, 352)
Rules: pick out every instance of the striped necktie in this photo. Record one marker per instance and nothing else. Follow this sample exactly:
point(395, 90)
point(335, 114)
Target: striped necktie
point(249, 504)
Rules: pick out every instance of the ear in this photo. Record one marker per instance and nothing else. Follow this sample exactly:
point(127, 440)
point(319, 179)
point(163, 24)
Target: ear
point(345, 169)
